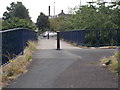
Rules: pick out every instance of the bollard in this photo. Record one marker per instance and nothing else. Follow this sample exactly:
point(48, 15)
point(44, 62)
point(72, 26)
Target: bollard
point(48, 35)
point(58, 40)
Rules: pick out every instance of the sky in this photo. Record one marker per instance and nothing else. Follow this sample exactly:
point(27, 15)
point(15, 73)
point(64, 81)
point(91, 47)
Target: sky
point(37, 6)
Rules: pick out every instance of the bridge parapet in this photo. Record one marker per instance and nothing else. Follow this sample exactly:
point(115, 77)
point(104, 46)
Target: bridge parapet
point(93, 37)
point(14, 42)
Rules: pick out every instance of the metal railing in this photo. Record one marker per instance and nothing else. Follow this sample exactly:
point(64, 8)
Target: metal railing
point(14, 42)
point(93, 37)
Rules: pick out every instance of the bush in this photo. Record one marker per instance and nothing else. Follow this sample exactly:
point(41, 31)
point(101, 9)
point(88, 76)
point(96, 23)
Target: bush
point(16, 22)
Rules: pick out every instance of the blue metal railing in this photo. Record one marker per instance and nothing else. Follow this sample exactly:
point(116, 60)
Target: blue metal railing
point(93, 37)
point(14, 42)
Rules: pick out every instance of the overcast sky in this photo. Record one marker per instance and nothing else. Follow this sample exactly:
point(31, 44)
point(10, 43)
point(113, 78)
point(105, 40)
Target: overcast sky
point(37, 6)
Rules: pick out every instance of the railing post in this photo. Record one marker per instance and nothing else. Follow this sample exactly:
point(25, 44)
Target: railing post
point(83, 37)
point(118, 38)
point(97, 38)
point(58, 40)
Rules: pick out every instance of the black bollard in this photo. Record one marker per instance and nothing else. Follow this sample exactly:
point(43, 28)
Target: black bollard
point(48, 35)
point(58, 40)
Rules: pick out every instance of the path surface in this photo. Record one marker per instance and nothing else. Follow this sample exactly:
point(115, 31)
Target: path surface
point(71, 67)
point(52, 44)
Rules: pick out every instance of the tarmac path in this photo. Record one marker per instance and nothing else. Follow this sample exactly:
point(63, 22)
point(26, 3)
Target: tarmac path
point(70, 67)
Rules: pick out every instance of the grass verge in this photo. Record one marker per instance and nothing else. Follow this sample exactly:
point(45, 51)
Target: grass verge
point(18, 66)
point(114, 65)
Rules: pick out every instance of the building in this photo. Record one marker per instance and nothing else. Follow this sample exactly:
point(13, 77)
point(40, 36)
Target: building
point(62, 14)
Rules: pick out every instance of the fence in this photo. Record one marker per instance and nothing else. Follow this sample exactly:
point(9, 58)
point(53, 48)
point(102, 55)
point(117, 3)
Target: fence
point(93, 37)
point(14, 41)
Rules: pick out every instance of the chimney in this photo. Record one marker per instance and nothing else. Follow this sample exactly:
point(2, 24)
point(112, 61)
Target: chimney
point(49, 10)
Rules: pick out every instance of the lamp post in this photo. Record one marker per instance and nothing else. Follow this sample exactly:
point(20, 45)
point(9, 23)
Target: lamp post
point(80, 3)
point(54, 9)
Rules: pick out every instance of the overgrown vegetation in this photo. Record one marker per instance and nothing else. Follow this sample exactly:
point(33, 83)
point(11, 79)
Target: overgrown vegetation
point(115, 62)
point(18, 66)
point(94, 15)
point(17, 16)
point(42, 22)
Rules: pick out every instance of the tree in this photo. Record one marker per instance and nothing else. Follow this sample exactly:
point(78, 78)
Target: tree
point(54, 24)
point(17, 16)
point(116, 13)
point(16, 10)
point(42, 22)
point(15, 22)
point(94, 15)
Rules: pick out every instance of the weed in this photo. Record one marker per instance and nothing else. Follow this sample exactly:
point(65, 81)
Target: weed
point(114, 66)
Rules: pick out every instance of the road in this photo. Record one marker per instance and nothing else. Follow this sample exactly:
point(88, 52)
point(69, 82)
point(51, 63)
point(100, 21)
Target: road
point(70, 67)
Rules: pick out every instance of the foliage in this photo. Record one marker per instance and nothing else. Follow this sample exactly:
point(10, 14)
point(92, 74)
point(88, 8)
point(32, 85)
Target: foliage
point(94, 15)
point(57, 24)
point(15, 22)
point(42, 22)
point(17, 16)
point(16, 10)
point(54, 24)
